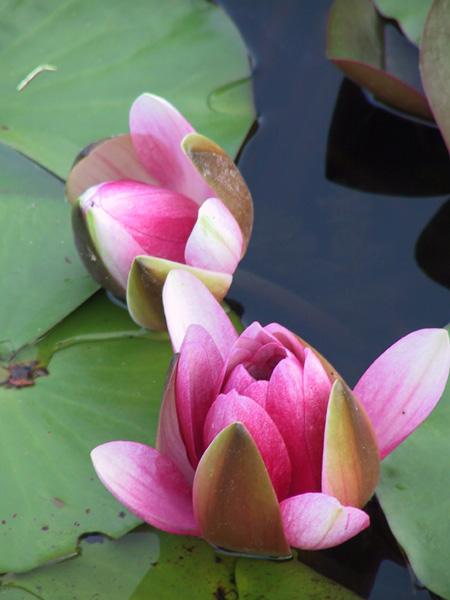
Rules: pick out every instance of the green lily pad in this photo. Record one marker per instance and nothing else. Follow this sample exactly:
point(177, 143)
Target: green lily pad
point(356, 44)
point(284, 580)
point(147, 563)
point(90, 60)
point(435, 64)
point(413, 492)
point(102, 569)
point(104, 384)
point(42, 278)
point(410, 14)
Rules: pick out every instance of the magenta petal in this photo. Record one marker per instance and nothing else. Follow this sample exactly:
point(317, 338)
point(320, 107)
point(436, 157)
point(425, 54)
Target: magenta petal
point(287, 339)
point(187, 301)
point(232, 408)
point(401, 388)
point(158, 220)
point(148, 484)
point(103, 229)
point(169, 440)
point(246, 346)
point(317, 521)
point(110, 160)
point(157, 129)
point(297, 402)
point(316, 389)
point(258, 392)
point(198, 365)
point(215, 242)
point(239, 380)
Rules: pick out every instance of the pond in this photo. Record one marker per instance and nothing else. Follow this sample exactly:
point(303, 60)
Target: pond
point(349, 250)
point(337, 263)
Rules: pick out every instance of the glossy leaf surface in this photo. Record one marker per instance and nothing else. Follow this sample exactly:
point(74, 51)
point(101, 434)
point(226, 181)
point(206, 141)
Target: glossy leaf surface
point(105, 382)
point(148, 563)
point(435, 66)
point(410, 14)
point(42, 278)
point(104, 55)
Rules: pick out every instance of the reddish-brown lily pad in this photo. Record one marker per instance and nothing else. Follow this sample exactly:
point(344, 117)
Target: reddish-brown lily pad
point(356, 45)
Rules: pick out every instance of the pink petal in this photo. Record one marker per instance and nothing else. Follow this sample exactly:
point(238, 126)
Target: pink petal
point(160, 221)
point(157, 129)
point(148, 484)
point(297, 402)
point(232, 408)
point(216, 239)
point(258, 392)
point(251, 340)
point(104, 229)
point(317, 521)
point(198, 366)
point(109, 160)
point(401, 388)
point(239, 380)
point(169, 440)
point(264, 361)
point(188, 302)
point(287, 339)
point(316, 390)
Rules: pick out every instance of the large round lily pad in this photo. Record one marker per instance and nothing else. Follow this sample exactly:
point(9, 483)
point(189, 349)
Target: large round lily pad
point(71, 70)
point(105, 381)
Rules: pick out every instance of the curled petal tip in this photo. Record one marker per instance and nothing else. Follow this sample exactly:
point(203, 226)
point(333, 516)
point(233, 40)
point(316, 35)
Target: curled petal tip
point(215, 242)
point(318, 521)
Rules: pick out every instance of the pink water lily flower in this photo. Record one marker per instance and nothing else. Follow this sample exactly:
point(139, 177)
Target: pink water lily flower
point(261, 446)
point(160, 198)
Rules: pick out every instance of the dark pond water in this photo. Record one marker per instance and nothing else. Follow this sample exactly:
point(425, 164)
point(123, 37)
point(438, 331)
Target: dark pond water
point(351, 215)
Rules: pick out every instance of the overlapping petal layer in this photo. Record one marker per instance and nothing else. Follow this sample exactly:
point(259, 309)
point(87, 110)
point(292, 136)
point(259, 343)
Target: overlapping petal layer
point(155, 185)
point(273, 446)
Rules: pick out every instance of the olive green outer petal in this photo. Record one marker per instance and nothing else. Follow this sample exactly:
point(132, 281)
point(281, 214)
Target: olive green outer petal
point(351, 459)
point(224, 178)
point(89, 255)
point(145, 283)
point(235, 504)
point(112, 159)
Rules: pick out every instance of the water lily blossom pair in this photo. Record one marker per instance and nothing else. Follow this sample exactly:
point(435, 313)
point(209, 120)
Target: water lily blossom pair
point(261, 445)
point(160, 198)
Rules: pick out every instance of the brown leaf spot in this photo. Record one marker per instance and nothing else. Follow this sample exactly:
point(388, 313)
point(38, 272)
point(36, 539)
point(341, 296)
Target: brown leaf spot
point(24, 374)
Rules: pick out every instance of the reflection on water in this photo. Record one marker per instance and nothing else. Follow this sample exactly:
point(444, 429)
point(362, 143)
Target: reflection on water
point(374, 150)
